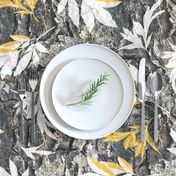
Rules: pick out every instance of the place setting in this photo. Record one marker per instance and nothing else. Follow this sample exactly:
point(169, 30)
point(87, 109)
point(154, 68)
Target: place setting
point(87, 95)
point(91, 95)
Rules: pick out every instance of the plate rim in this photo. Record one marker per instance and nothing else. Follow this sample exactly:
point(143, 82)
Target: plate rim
point(66, 131)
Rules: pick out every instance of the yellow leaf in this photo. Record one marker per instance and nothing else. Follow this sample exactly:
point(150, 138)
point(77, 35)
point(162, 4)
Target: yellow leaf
point(125, 165)
point(140, 149)
point(23, 12)
point(94, 164)
point(34, 2)
point(134, 127)
point(27, 8)
point(117, 136)
point(31, 3)
point(18, 3)
point(114, 166)
point(130, 141)
point(20, 38)
point(108, 0)
point(10, 44)
point(7, 50)
point(8, 5)
point(143, 149)
point(151, 141)
point(5, 1)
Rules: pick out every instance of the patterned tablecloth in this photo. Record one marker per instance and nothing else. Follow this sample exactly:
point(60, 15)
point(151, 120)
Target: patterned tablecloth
point(34, 32)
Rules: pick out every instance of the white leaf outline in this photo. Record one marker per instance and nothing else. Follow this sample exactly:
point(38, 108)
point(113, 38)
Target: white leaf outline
point(73, 12)
point(87, 15)
point(34, 150)
point(173, 134)
point(173, 79)
point(134, 72)
point(23, 63)
point(43, 124)
point(97, 11)
point(35, 58)
point(40, 47)
point(61, 6)
point(26, 173)
point(13, 168)
point(172, 150)
point(3, 172)
point(104, 17)
point(142, 30)
point(138, 28)
point(9, 65)
point(171, 65)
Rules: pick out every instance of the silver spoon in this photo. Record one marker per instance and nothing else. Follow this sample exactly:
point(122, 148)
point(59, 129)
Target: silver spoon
point(155, 85)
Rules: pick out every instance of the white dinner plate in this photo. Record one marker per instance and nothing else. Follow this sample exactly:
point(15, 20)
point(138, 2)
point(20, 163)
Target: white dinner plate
point(87, 51)
point(75, 79)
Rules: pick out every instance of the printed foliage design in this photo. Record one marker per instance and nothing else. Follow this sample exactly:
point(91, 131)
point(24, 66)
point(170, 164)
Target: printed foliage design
point(24, 7)
point(42, 122)
point(10, 54)
point(34, 150)
point(109, 168)
point(140, 37)
point(170, 58)
point(13, 170)
point(90, 10)
point(131, 140)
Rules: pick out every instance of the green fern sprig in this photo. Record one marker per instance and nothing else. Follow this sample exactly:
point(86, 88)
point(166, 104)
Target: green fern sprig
point(91, 92)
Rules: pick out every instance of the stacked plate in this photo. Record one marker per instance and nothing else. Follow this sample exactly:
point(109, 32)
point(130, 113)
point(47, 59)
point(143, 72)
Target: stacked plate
point(69, 74)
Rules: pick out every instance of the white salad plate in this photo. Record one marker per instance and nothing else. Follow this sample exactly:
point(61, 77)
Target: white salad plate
point(84, 51)
point(75, 79)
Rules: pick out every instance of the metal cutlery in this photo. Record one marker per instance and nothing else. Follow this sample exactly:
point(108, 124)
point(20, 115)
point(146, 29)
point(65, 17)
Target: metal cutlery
point(33, 80)
point(155, 85)
point(141, 96)
point(21, 92)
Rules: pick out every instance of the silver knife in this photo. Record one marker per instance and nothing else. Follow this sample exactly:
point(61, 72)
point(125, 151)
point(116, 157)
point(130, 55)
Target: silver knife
point(141, 96)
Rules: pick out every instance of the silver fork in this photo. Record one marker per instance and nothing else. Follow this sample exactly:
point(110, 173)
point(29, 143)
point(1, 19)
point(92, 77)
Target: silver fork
point(33, 80)
point(21, 92)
